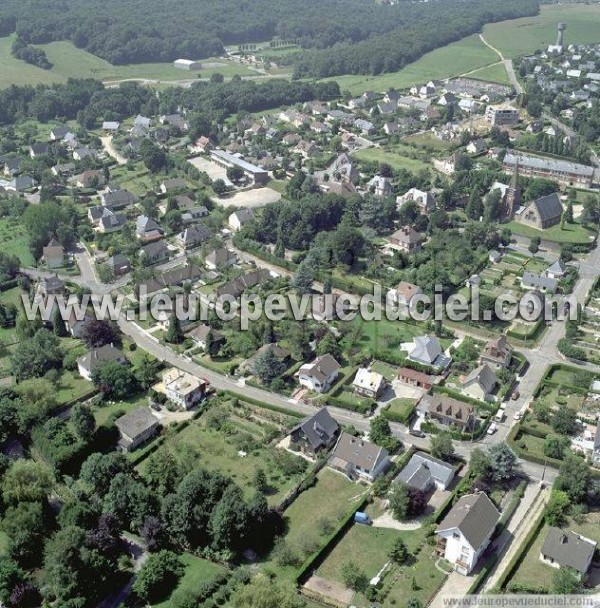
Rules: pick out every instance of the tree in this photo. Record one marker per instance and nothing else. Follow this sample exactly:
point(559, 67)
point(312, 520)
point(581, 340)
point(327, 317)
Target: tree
point(503, 462)
point(267, 366)
point(27, 480)
point(303, 278)
point(114, 380)
point(158, 576)
point(479, 463)
point(219, 187)
point(97, 333)
point(152, 156)
point(441, 446)
point(11, 576)
point(229, 520)
point(58, 325)
point(174, 333)
point(163, 472)
point(329, 345)
point(554, 446)
point(83, 421)
point(399, 552)
point(413, 602)
point(99, 470)
point(557, 508)
point(564, 420)
point(574, 478)
point(235, 173)
point(37, 355)
point(354, 577)
point(146, 371)
point(406, 502)
point(534, 244)
point(173, 220)
point(260, 481)
point(566, 582)
point(24, 526)
point(380, 430)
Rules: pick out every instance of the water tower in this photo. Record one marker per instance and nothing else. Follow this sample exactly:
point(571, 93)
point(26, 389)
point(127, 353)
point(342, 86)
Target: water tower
point(559, 40)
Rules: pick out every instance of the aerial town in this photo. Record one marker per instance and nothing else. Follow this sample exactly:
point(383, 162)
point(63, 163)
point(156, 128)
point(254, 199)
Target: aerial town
point(155, 459)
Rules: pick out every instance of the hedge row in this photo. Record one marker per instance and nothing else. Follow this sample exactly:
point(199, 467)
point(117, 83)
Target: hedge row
point(518, 556)
point(532, 334)
point(485, 571)
point(460, 397)
point(313, 561)
point(267, 406)
point(511, 440)
point(511, 508)
point(396, 417)
point(255, 249)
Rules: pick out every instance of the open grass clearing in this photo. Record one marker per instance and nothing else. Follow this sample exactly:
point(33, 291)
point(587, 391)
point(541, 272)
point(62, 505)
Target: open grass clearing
point(14, 238)
point(492, 73)
point(528, 34)
point(571, 233)
point(396, 159)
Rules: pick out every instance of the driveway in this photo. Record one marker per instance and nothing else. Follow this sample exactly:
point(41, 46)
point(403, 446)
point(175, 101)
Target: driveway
point(257, 197)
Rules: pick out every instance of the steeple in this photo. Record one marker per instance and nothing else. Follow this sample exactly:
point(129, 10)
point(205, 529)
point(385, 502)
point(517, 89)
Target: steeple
point(512, 200)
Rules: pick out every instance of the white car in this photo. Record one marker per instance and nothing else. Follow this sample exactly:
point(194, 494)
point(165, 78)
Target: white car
point(517, 416)
point(492, 428)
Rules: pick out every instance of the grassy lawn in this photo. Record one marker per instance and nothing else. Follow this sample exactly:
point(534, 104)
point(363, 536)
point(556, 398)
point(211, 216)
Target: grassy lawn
point(103, 412)
point(525, 35)
point(452, 60)
point(368, 547)
point(492, 73)
point(572, 233)
point(402, 407)
point(532, 572)
point(72, 386)
point(197, 572)
point(13, 236)
point(395, 159)
point(219, 450)
point(389, 372)
point(70, 62)
point(335, 496)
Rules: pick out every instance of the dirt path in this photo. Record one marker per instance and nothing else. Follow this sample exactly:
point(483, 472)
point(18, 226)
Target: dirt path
point(107, 144)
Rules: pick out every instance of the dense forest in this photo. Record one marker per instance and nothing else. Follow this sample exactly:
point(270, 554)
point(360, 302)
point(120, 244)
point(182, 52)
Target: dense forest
point(364, 37)
point(88, 101)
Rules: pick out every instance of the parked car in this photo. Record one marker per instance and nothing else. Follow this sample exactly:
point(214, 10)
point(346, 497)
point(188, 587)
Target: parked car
point(515, 395)
point(517, 416)
point(416, 433)
point(492, 428)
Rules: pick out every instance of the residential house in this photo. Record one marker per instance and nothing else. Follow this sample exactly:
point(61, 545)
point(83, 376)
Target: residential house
point(315, 434)
point(110, 222)
point(495, 257)
point(63, 169)
point(502, 116)
point(77, 326)
point(147, 229)
point(200, 336)
point(110, 126)
point(50, 285)
point(359, 459)
point(173, 185)
point(404, 293)
point(480, 383)
point(202, 145)
point(155, 252)
point(12, 166)
point(84, 152)
point(238, 219)
point(97, 357)
point(428, 351)
point(477, 146)
point(450, 412)
point(59, 132)
point(413, 377)
point(38, 149)
point(426, 473)
point(542, 213)
point(544, 284)
point(380, 186)
point(557, 270)
point(136, 427)
point(183, 389)
point(118, 264)
point(142, 122)
point(53, 254)
point(22, 183)
point(497, 353)
point(220, 258)
point(568, 550)
point(320, 374)
point(466, 531)
point(364, 126)
point(406, 239)
point(116, 199)
point(282, 354)
point(368, 383)
point(424, 199)
point(194, 236)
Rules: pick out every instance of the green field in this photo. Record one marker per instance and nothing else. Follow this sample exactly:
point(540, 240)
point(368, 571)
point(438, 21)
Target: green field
point(392, 157)
point(492, 73)
point(197, 572)
point(452, 60)
point(572, 233)
point(523, 36)
point(70, 62)
point(13, 237)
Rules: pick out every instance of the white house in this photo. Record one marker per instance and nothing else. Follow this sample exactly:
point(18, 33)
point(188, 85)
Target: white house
point(359, 459)
point(182, 388)
point(319, 375)
point(466, 531)
point(97, 357)
point(238, 219)
point(480, 383)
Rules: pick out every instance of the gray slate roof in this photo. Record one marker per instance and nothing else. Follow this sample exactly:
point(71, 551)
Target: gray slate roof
point(136, 422)
point(568, 549)
point(549, 206)
point(427, 349)
point(422, 469)
point(358, 452)
point(561, 166)
point(319, 428)
point(475, 516)
point(484, 376)
point(539, 282)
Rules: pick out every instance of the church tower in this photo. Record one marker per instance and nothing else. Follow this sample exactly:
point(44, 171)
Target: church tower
point(512, 200)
